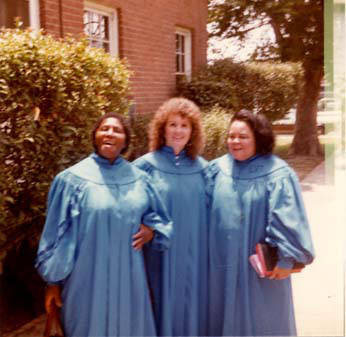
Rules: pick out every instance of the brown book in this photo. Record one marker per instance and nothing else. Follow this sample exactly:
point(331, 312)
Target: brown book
point(268, 257)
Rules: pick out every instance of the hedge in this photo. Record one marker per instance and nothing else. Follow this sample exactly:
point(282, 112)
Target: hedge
point(270, 88)
point(51, 92)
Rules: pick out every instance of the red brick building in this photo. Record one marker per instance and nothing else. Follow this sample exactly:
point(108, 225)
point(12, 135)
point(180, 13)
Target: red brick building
point(160, 38)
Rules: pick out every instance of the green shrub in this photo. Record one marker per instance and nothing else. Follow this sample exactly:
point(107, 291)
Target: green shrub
point(51, 92)
point(264, 87)
point(139, 139)
point(215, 123)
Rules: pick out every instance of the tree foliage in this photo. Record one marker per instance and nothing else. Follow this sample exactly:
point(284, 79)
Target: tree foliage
point(270, 88)
point(298, 26)
point(51, 92)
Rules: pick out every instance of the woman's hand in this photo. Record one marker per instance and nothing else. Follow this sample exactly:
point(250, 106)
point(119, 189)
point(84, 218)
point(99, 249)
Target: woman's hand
point(279, 273)
point(144, 235)
point(53, 297)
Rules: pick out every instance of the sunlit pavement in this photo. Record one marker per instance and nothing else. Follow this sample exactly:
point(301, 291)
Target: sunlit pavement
point(319, 290)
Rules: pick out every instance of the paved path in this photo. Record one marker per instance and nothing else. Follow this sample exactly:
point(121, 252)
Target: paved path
point(319, 290)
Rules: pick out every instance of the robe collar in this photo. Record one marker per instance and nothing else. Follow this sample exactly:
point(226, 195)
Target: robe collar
point(104, 161)
point(99, 170)
point(254, 167)
point(165, 160)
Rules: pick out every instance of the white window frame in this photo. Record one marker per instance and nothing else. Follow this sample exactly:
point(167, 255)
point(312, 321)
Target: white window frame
point(34, 14)
point(188, 51)
point(113, 24)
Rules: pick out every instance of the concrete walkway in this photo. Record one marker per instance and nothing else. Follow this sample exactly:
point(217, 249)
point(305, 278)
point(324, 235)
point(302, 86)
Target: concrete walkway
point(319, 290)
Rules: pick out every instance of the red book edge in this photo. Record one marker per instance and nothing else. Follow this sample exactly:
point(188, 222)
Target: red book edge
point(262, 259)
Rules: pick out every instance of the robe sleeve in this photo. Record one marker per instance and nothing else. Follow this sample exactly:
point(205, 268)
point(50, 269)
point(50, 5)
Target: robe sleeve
point(288, 227)
point(210, 173)
point(157, 218)
point(143, 165)
point(57, 247)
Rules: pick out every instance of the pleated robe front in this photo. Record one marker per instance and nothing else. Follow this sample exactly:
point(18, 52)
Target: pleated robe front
point(182, 290)
point(256, 200)
point(94, 209)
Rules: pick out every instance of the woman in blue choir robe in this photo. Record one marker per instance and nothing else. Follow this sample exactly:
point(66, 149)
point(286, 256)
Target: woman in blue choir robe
point(175, 139)
point(255, 198)
point(90, 250)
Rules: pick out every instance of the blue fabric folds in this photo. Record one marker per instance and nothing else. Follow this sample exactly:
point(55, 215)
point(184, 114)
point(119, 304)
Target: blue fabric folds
point(94, 209)
point(257, 200)
point(180, 280)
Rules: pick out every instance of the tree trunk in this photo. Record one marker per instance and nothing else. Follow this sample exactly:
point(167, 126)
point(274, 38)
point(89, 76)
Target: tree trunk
point(305, 140)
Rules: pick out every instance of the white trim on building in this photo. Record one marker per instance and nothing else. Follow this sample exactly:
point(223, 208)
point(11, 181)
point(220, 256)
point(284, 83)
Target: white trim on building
point(105, 34)
point(28, 12)
point(183, 52)
point(34, 14)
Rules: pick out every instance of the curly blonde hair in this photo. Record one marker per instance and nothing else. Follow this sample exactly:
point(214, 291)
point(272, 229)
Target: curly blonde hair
point(185, 108)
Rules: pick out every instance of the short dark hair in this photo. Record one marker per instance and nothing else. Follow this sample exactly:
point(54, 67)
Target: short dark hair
point(260, 126)
point(123, 122)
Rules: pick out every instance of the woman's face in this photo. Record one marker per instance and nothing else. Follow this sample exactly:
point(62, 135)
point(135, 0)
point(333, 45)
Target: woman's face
point(110, 138)
point(241, 140)
point(177, 132)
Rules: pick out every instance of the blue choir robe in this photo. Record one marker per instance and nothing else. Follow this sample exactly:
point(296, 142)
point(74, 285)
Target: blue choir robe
point(256, 200)
point(182, 291)
point(94, 209)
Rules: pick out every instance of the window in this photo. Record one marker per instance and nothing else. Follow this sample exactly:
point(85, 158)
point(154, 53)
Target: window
point(101, 28)
point(26, 10)
point(183, 52)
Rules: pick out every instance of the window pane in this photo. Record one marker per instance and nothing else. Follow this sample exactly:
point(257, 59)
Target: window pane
point(85, 20)
point(180, 53)
point(10, 9)
point(96, 28)
point(183, 53)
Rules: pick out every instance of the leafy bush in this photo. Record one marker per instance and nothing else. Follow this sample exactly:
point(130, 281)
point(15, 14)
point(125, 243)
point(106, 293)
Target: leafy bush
point(215, 123)
point(265, 87)
point(51, 92)
point(139, 139)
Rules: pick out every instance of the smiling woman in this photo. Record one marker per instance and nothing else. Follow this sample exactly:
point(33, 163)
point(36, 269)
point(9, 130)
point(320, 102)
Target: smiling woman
point(178, 172)
point(177, 132)
point(241, 141)
point(110, 136)
point(100, 213)
point(256, 198)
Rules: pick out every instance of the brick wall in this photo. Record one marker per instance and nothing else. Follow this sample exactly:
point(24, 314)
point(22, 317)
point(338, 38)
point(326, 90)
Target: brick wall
point(62, 17)
point(146, 39)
